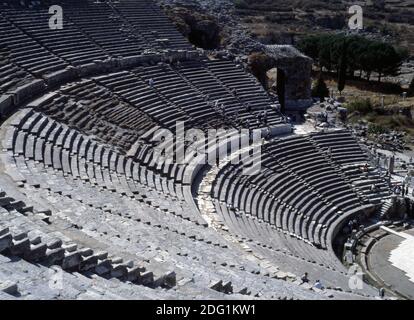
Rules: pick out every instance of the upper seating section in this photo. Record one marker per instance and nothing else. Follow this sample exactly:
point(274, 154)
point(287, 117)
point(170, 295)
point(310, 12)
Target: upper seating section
point(107, 28)
point(69, 43)
point(27, 53)
point(202, 93)
point(11, 76)
point(147, 19)
point(91, 31)
point(231, 91)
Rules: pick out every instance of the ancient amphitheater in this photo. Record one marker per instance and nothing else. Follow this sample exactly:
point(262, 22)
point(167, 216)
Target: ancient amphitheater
point(89, 210)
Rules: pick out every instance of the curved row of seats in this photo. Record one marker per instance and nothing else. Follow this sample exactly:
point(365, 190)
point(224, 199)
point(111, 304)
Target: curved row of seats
point(248, 90)
point(56, 145)
point(99, 198)
point(136, 92)
point(282, 248)
point(85, 170)
point(30, 240)
point(297, 190)
point(11, 76)
point(95, 111)
point(243, 98)
point(21, 279)
point(343, 151)
point(108, 29)
point(39, 50)
point(35, 50)
point(147, 19)
point(26, 52)
point(69, 43)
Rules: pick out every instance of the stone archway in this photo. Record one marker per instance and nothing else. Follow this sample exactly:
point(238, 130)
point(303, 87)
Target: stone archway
point(293, 76)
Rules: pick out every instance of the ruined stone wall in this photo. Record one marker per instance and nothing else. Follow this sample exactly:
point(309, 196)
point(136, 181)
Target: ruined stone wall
point(297, 68)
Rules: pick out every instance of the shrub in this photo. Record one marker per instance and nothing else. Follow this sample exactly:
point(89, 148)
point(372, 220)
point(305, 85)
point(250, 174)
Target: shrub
point(376, 129)
point(362, 106)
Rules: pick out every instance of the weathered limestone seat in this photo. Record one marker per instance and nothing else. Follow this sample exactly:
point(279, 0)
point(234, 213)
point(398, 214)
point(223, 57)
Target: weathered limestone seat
point(297, 190)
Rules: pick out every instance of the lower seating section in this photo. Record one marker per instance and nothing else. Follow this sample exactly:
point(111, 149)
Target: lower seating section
point(95, 111)
point(136, 92)
point(298, 190)
point(282, 248)
point(169, 94)
point(342, 151)
point(98, 201)
point(31, 240)
point(22, 279)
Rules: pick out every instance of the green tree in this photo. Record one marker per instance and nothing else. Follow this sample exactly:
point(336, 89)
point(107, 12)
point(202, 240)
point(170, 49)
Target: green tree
point(357, 46)
point(362, 54)
point(385, 59)
point(326, 52)
point(310, 46)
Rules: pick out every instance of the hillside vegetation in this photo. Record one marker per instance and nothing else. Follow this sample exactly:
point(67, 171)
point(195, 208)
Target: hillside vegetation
point(287, 21)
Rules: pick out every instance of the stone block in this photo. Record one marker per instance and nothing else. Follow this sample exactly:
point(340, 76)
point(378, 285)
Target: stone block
point(20, 247)
point(119, 271)
point(71, 260)
point(55, 256)
point(9, 287)
point(6, 241)
point(103, 267)
point(37, 252)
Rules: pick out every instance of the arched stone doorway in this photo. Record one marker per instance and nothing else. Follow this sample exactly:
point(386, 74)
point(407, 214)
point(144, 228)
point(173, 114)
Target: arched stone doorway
point(293, 76)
